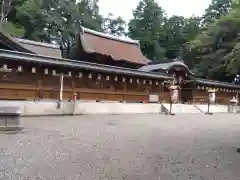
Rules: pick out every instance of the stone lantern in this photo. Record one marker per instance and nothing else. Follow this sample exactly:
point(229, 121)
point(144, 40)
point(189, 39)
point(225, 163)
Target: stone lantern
point(211, 99)
point(173, 96)
point(174, 93)
point(233, 105)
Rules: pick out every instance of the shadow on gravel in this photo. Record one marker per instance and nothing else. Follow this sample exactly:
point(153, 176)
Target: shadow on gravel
point(12, 132)
point(113, 123)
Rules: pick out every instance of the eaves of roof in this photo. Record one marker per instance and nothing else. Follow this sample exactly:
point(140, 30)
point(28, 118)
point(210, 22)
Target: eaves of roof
point(11, 42)
point(27, 57)
point(165, 66)
point(216, 83)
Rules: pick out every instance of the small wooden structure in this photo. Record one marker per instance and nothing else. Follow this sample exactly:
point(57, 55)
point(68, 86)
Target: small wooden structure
point(193, 89)
point(102, 67)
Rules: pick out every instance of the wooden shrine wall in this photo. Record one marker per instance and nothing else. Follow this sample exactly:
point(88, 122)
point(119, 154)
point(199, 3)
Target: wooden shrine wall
point(223, 95)
point(34, 82)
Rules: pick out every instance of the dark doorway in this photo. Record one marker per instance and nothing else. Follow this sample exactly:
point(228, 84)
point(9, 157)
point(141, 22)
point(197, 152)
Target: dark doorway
point(186, 92)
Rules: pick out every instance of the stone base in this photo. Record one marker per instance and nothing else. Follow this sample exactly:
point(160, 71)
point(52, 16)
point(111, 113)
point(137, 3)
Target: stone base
point(10, 119)
point(171, 114)
point(209, 113)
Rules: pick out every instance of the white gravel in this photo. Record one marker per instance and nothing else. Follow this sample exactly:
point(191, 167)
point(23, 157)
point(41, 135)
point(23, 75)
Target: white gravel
point(123, 147)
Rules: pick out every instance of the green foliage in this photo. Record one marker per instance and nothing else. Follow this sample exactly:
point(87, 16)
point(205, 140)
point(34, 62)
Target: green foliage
point(114, 26)
point(216, 9)
point(161, 38)
point(217, 46)
point(63, 19)
point(146, 26)
point(15, 30)
point(58, 20)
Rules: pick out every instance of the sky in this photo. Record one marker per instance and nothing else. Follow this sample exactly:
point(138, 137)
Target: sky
point(124, 8)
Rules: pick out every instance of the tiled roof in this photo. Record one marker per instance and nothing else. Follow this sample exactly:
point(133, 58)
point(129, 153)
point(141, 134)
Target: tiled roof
point(40, 48)
point(117, 48)
point(28, 46)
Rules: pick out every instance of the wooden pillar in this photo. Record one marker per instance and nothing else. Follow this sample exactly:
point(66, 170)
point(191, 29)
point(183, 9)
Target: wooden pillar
point(61, 87)
point(39, 83)
point(100, 81)
point(124, 84)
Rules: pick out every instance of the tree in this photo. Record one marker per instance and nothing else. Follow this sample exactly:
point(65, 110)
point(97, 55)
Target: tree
point(217, 47)
point(64, 18)
point(190, 30)
point(232, 59)
point(162, 38)
point(216, 9)
point(114, 26)
point(26, 14)
point(173, 28)
point(54, 20)
point(5, 6)
point(146, 26)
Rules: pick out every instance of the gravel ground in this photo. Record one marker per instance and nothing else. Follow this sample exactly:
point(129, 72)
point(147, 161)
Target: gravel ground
point(123, 147)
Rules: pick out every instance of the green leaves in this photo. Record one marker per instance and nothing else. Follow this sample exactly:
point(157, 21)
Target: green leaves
point(17, 31)
point(215, 10)
point(217, 45)
point(114, 26)
point(146, 26)
point(161, 37)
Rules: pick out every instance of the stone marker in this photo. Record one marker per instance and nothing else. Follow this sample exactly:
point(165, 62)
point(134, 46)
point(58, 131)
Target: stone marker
point(10, 118)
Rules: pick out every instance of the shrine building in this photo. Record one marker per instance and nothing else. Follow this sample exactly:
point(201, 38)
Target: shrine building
point(100, 67)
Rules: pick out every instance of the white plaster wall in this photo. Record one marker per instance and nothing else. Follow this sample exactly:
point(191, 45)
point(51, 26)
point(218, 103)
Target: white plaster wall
point(213, 108)
point(182, 108)
point(47, 108)
point(116, 108)
point(88, 107)
point(82, 107)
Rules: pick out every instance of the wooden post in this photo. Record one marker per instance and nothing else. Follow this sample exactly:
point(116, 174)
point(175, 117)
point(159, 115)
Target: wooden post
point(74, 103)
point(61, 87)
point(208, 108)
point(125, 86)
